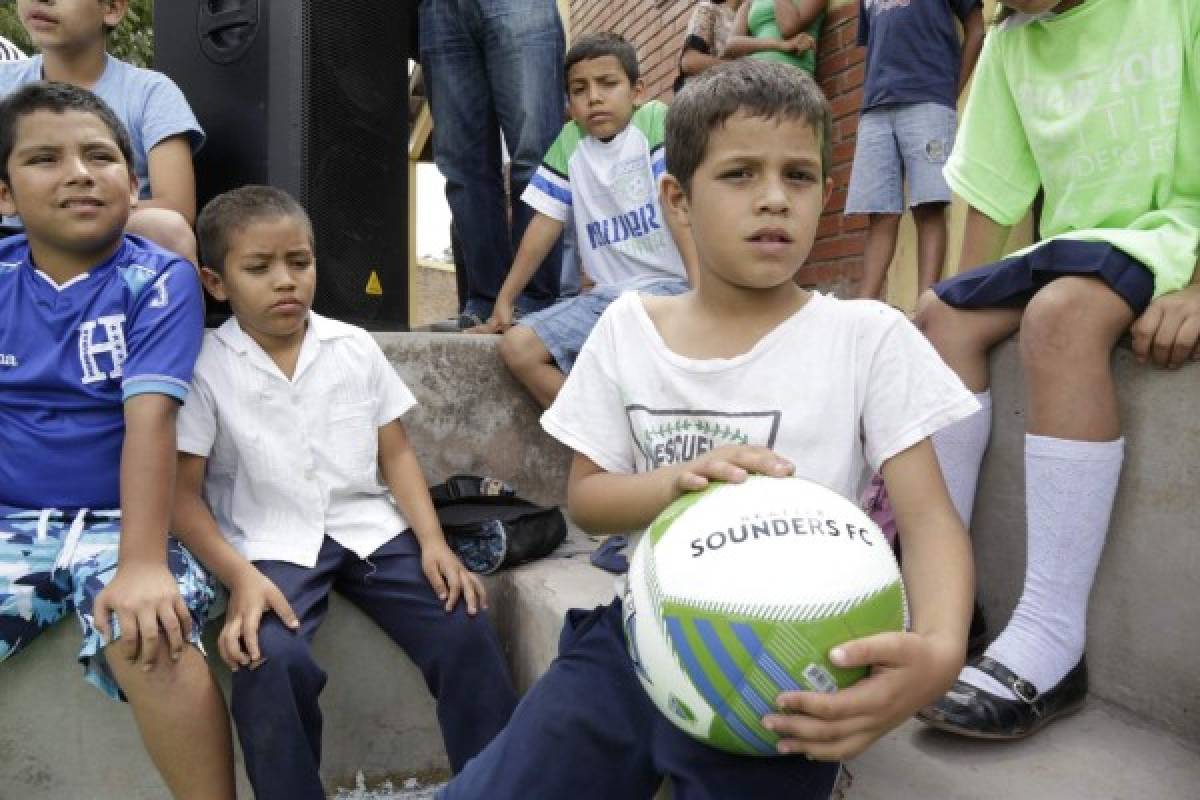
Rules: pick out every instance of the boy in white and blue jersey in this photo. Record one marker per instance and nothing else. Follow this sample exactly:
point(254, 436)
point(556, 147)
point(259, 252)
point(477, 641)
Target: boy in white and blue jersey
point(99, 332)
point(603, 172)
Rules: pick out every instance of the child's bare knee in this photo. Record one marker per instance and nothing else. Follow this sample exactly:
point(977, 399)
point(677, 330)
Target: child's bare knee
point(929, 311)
point(520, 348)
point(166, 228)
point(1070, 319)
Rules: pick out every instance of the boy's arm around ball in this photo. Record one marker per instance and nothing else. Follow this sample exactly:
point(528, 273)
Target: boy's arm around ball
point(908, 670)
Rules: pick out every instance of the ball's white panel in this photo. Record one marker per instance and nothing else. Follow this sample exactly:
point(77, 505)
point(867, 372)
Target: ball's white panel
point(781, 548)
point(651, 651)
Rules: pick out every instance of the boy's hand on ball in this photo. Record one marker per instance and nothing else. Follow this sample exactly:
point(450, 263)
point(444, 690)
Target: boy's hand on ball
point(908, 670)
point(731, 464)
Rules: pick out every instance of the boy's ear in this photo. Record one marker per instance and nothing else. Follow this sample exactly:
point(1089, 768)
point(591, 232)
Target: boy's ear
point(674, 199)
point(828, 192)
point(639, 91)
point(214, 283)
point(8, 205)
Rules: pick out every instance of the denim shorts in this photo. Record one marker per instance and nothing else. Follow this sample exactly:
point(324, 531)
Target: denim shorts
point(895, 143)
point(52, 562)
point(565, 326)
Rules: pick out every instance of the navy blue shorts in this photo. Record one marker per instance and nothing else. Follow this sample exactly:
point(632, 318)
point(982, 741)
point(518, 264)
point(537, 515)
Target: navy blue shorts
point(1012, 282)
point(588, 731)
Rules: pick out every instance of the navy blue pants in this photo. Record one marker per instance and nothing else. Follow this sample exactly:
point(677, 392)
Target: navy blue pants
point(588, 731)
point(275, 706)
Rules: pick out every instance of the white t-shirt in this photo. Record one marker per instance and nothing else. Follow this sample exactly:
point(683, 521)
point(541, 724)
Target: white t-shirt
point(836, 384)
point(292, 461)
point(611, 188)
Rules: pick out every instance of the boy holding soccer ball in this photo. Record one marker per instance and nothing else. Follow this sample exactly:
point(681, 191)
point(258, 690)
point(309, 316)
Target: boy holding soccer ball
point(747, 373)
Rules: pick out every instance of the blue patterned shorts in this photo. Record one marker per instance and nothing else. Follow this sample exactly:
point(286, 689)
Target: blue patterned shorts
point(53, 561)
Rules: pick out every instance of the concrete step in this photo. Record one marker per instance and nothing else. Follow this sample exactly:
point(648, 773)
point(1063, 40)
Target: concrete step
point(1138, 737)
point(1100, 752)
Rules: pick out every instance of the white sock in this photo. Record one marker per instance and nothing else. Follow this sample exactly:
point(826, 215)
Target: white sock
point(959, 449)
point(1069, 491)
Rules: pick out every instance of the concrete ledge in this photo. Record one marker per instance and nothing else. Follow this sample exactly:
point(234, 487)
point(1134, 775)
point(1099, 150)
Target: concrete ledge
point(1139, 735)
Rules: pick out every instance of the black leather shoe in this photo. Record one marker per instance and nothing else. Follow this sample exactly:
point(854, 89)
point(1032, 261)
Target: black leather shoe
point(970, 711)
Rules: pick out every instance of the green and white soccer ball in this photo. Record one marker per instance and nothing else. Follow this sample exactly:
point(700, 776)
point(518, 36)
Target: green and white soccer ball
point(739, 592)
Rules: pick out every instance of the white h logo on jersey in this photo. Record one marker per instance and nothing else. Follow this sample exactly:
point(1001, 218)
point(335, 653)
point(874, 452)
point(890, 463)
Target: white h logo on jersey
point(114, 345)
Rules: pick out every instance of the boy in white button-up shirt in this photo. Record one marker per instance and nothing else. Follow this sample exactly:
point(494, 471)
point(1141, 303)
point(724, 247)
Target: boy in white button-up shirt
point(289, 445)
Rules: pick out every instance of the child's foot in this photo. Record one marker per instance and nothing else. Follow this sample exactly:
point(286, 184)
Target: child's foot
point(971, 711)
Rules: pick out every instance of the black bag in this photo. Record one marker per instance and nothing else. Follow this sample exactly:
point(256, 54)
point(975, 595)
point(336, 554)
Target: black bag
point(489, 527)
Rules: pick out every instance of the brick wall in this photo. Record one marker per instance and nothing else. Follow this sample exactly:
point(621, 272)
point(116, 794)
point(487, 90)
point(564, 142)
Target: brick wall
point(656, 28)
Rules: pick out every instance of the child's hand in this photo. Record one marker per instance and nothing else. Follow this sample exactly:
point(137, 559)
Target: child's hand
point(500, 320)
point(450, 579)
point(801, 43)
point(732, 464)
point(251, 595)
point(908, 671)
point(145, 600)
point(1168, 331)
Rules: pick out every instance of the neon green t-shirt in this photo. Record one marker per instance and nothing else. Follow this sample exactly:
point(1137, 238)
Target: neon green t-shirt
point(1100, 106)
point(762, 25)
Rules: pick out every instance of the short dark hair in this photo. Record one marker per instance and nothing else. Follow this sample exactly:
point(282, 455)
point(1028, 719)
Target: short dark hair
point(598, 45)
point(757, 88)
point(57, 98)
point(233, 211)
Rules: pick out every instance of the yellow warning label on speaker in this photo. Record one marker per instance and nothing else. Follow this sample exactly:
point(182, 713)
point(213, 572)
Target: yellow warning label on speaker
point(374, 287)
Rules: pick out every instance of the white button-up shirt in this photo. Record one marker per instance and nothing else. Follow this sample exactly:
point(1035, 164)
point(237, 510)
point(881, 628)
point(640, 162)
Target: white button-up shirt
point(290, 462)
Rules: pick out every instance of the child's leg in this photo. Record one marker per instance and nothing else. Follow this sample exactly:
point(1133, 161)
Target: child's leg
point(880, 247)
point(459, 655)
point(700, 772)
point(178, 708)
point(580, 733)
point(1073, 456)
point(541, 349)
point(531, 363)
point(181, 717)
point(963, 339)
point(930, 219)
point(275, 704)
point(877, 189)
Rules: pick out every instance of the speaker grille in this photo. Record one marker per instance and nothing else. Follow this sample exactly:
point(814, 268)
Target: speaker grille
point(356, 144)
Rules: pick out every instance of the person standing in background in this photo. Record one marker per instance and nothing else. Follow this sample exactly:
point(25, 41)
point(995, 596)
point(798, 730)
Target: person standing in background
point(917, 66)
point(492, 67)
point(778, 30)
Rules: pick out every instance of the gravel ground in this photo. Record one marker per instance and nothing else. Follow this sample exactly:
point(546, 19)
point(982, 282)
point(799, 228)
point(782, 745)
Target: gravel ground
point(410, 789)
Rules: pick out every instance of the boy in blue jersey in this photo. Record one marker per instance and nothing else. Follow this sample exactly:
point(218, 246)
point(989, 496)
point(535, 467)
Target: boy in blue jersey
point(99, 332)
point(603, 171)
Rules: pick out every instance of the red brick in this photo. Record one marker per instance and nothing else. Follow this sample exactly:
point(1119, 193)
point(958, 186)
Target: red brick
point(837, 248)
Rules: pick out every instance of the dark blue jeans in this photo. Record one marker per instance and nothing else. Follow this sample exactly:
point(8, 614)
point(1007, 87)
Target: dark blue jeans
point(588, 731)
point(275, 706)
point(492, 66)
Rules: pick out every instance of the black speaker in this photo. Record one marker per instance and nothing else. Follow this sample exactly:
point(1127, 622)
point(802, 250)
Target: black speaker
point(310, 96)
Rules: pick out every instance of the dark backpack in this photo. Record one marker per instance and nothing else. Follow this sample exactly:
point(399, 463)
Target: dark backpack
point(489, 527)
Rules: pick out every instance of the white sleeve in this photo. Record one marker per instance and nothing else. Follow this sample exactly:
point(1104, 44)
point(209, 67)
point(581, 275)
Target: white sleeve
point(910, 393)
point(196, 423)
point(393, 399)
point(589, 414)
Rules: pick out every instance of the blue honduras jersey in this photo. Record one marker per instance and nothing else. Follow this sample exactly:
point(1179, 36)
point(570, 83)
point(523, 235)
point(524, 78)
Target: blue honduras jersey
point(71, 355)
